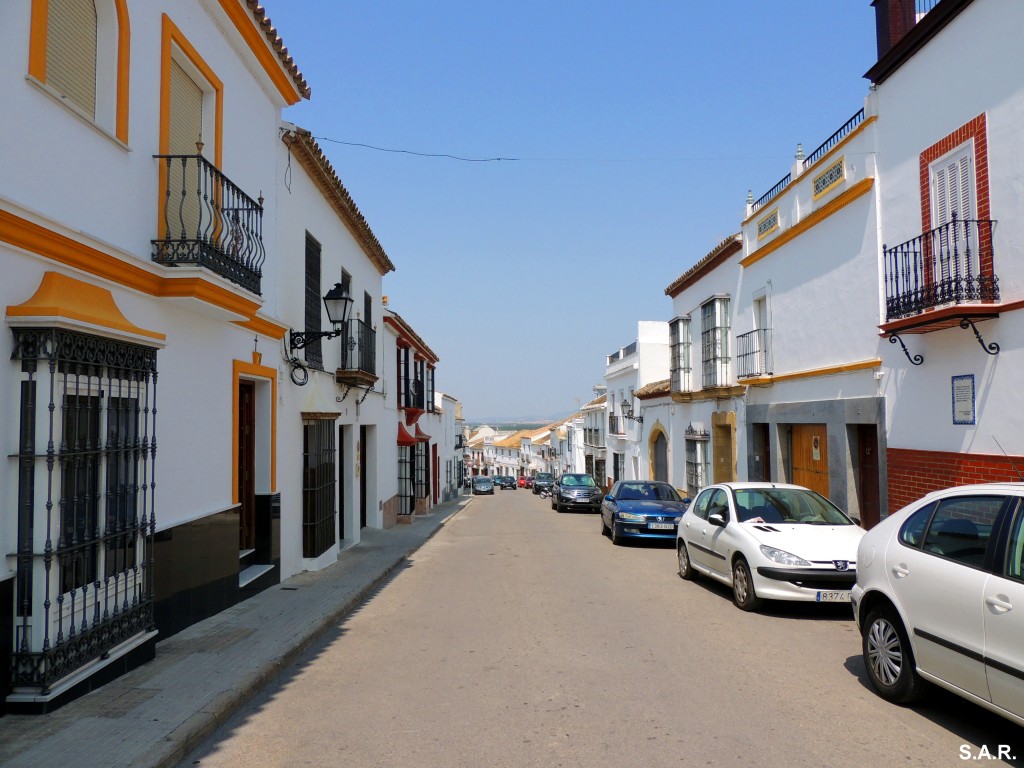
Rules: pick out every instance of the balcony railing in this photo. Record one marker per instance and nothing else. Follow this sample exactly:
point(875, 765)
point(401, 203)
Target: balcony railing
point(359, 348)
point(207, 221)
point(780, 185)
point(616, 425)
point(951, 264)
point(834, 139)
point(413, 395)
point(754, 353)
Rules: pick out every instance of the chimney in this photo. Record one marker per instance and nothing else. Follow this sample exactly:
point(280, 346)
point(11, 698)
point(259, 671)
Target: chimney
point(893, 20)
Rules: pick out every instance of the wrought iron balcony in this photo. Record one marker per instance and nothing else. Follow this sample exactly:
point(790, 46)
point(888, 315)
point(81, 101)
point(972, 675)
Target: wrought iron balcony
point(949, 265)
point(754, 353)
point(412, 395)
point(207, 221)
point(358, 355)
point(616, 425)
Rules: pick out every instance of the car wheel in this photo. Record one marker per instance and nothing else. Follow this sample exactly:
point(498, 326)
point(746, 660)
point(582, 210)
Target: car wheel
point(604, 526)
point(615, 537)
point(743, 587)
point(685, 569)
point(888, 658)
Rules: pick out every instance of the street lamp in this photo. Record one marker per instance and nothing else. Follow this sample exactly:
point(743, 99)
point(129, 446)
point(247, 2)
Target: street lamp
point(627, 412)
point(339, 306)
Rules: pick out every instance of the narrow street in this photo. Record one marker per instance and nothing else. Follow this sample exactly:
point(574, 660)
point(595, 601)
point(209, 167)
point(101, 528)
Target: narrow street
point(522, 637)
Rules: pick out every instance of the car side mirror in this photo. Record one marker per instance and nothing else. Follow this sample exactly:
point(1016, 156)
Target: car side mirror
point(609, 497)
point(717, 519)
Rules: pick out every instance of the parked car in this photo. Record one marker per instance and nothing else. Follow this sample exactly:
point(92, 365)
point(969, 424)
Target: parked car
point(576, 491)
point(483, 484)
point(641, 509)
point(769, 540)
point(937, 585)
point(527, 481)
point(507, 481)
point(543, 480)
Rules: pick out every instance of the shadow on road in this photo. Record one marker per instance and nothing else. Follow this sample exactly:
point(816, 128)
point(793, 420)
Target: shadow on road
point(987, 737)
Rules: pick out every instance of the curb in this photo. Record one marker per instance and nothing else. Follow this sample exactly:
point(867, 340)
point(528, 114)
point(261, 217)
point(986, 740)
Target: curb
point(201, 725)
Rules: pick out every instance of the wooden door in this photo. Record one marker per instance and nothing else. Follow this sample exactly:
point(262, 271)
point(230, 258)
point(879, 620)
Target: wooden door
point(247, 464)
point(809, 452)
point(867, 474)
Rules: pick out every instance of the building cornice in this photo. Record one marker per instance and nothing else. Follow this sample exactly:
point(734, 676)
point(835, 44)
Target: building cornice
point(311, 157)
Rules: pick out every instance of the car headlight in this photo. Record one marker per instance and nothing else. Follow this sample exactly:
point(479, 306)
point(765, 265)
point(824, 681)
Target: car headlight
point(629, 517)
point(782, 557)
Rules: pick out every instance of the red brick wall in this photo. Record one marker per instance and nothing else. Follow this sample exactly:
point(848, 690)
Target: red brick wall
point(913, 473)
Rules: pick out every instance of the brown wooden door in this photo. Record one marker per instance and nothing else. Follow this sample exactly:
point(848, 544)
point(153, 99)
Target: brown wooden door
point(247, 464)
point(867, 474)
point(809, 451)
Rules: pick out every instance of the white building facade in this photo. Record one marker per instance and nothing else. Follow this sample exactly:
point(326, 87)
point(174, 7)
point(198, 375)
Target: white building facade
point(139, 308)
point(952, 281)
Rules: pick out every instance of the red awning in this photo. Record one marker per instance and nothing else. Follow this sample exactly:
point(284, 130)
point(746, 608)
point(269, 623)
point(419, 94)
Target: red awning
point(404, 438)
point(421, 435)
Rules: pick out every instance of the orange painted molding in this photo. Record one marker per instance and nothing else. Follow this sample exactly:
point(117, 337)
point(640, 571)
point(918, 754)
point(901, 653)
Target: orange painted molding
point(70, 299)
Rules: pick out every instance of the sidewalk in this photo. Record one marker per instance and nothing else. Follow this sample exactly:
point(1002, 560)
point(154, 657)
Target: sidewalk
point(156, 714)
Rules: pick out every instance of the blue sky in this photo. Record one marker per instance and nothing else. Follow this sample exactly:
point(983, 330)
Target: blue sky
point(631, 132)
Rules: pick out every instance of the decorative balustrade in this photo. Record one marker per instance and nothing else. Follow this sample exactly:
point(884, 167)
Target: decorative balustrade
point(951, 264)
point(208, 221)
point(754, 353)
point(359, 348)
point(834, 139)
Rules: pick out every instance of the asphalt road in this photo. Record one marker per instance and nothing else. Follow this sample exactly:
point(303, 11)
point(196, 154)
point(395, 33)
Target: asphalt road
point(521, 637)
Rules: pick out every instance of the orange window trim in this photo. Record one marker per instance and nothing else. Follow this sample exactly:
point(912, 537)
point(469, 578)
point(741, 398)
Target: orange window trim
point(172, 36)
point(38, 36)
point(253, 370)
point(37, 40)
point(124, 37)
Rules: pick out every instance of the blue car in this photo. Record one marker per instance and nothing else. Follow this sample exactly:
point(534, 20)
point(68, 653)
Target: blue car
point(644, 509)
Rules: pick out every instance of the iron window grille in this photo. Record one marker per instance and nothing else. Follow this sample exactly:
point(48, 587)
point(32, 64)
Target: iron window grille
point(715, 342)
point(86, 501)
point(318, 487)
point(698, 461)
point(405, 494)
point(754, 353)
point(681, 350)
point(422, 489)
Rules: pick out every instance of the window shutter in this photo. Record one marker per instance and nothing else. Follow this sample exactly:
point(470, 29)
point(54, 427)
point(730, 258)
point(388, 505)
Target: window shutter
point(314, 353)
point(71, 51)
point(952, 188)
point(185, 128)
point(186, 123)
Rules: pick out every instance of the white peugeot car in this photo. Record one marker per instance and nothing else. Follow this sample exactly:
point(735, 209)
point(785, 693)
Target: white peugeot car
point(940, 597)
point(769, 541)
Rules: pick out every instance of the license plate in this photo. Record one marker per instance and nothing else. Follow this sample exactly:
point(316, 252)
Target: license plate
point(833, 597)
point(661, 526)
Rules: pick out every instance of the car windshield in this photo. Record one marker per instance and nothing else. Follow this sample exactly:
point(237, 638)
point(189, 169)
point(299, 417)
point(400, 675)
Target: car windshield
point(544, 476)
point(648, 491)
point(578, 480)
point(787, 505)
